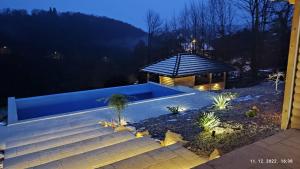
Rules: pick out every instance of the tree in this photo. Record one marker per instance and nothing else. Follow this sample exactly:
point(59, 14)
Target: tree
point(198, 23)
point(153, 25)
point(282, 13)
point(194, 14)
point(118, 102)
point(184, 24)
point(221, 16)
point(276, 78)
point(259, 12)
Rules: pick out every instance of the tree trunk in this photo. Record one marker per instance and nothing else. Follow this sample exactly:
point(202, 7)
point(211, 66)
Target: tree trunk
point(119, 117)
point(256, 39)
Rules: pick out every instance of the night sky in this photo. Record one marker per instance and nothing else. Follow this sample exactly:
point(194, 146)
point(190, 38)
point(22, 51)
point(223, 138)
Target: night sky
point(130, 11)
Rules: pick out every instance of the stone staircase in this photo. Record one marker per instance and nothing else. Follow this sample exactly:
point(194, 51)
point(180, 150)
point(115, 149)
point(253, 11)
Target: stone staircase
point(95, 146)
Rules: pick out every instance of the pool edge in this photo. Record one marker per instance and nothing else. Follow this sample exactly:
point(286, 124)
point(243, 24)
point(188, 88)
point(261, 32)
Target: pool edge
point(12, 115)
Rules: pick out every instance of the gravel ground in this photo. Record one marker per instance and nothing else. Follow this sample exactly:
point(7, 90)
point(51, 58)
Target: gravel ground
point(266, 123)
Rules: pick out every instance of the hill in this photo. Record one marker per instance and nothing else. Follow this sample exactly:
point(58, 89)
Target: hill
point(49, 52)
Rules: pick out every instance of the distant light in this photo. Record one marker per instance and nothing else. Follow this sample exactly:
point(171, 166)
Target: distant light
point(201, 87)
point(216, 86)
point(183, 109)
point(194, 41)
point(4, 47)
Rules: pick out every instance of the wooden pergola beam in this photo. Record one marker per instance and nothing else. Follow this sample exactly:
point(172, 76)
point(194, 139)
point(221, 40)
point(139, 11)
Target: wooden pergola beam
point(291, 67)
point(210, 80)
point(224, 79)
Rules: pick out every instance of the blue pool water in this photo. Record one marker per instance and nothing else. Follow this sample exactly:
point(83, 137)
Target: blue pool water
point(76, 101)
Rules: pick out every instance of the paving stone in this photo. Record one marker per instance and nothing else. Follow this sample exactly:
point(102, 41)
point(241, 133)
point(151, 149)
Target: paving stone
point(164, 157)
point(56, 142)
point(56, 153)
point(50, 135)
point(105, 156)
point(284, 145)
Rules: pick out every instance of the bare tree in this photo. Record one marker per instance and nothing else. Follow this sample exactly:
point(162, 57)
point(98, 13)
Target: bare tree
point(153, 24)
point(184, 24)
point(282, 13)
point(259, 12)
point(166, 27)
point(194, 16)
point(198, 24)
point(221, 15)
point(203, 15)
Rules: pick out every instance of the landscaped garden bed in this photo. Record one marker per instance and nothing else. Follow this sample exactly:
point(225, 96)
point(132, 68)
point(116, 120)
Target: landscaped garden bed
point(255, 114)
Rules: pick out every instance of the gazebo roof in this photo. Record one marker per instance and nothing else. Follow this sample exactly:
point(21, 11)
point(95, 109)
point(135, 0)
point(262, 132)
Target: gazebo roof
point(186, 65)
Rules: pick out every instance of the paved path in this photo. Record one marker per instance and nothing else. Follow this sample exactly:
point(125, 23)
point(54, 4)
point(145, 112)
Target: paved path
point(171, 157)
point(98, 147)
point(281, 151)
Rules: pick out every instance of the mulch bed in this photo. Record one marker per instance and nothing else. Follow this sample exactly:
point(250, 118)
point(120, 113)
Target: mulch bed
point(266, 123)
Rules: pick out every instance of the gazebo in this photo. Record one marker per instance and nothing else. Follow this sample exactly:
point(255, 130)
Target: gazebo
point(190, 70)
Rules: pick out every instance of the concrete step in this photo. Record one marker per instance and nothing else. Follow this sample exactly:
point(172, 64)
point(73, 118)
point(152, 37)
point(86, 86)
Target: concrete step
point(27, 132)
point(50, 135)
point(56, 142)
point(69, 150)
point(104, 156)
point(171, 157)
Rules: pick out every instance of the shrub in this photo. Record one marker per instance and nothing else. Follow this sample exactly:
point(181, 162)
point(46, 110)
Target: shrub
point(208, 121)
point(117, 102)
point(251, 113)
point(220, 102)
point(205, 143)
point(276, 77)
point(174, 109)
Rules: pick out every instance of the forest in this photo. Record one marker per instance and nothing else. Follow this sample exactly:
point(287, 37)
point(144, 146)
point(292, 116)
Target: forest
point(46, 51)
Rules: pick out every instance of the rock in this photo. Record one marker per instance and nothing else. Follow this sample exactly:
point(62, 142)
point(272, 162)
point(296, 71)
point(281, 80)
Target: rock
point(106, 124)
point(172, 138)
point(131, 129)
point(141, 129)
point(142, 134)
point(256, 108)
point(221, 130)
point(215, 154)
point(172, 120)
point(122, 128)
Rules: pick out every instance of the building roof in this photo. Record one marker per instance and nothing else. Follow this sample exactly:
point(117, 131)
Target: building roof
point(186, 65)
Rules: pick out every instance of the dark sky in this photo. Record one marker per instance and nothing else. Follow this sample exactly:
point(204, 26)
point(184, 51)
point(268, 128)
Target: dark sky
point(130, 11)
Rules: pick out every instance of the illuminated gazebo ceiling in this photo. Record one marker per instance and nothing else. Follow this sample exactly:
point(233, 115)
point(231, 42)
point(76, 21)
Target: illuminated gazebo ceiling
point(292, 1)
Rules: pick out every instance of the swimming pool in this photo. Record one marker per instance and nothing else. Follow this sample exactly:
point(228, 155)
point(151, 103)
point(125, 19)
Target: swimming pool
point(42, 106)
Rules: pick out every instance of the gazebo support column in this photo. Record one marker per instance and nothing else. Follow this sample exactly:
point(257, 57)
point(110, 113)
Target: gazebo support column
point(210, 80)
point(224, 78)
point(148, 77)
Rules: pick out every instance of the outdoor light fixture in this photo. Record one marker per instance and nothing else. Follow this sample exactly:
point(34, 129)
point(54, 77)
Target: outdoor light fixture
point(201, 88)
